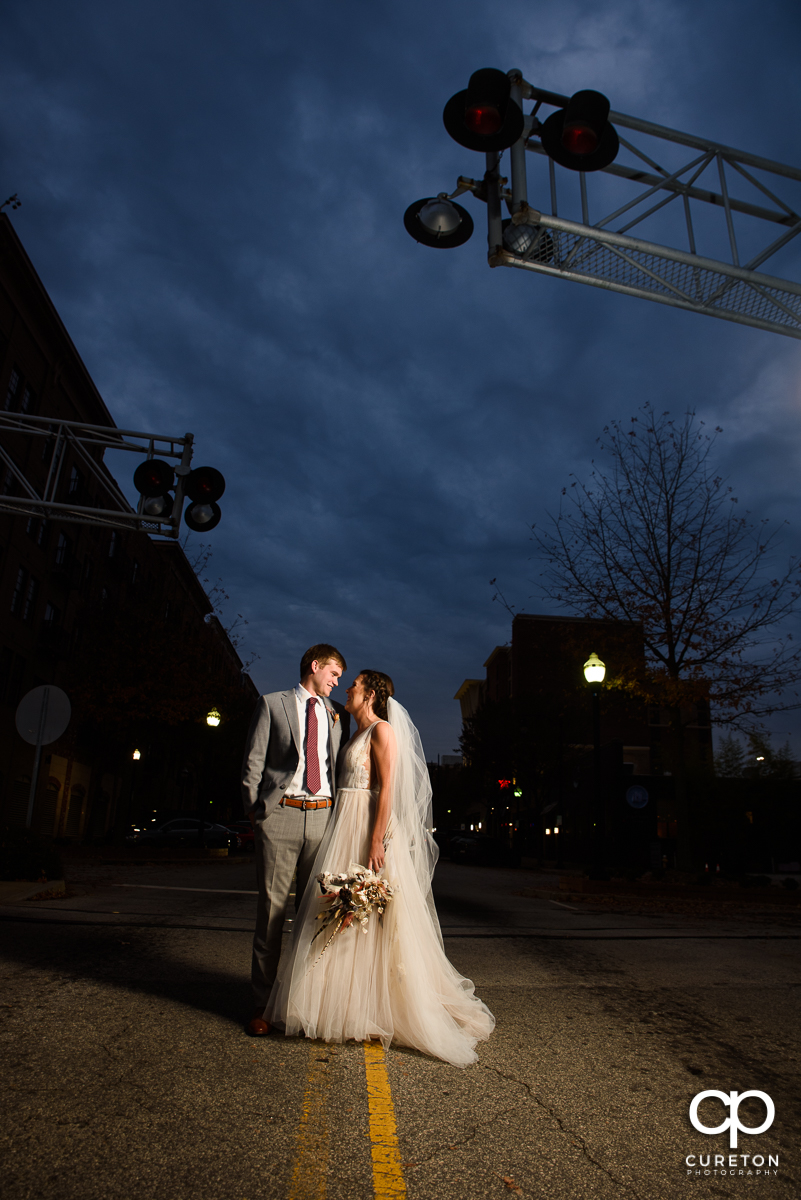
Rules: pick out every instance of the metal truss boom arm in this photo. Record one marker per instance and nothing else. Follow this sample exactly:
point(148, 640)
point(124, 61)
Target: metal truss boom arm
point(86, 444)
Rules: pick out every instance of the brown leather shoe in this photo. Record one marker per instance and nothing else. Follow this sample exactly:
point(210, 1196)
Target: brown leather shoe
point(257, 1026)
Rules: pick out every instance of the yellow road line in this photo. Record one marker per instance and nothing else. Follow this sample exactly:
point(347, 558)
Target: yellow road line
point(310, 1168)
point(387, 1172)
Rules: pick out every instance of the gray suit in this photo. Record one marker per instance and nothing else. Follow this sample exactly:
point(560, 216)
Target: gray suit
point(286, 838)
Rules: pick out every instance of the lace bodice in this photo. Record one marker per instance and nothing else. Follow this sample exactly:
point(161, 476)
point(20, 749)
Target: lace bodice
point(354, 767)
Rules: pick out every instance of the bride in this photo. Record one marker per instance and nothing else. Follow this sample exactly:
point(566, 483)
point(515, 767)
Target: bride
point(392, 982)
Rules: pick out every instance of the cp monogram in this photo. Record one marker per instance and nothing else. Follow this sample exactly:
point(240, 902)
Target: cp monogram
point(732, 1100)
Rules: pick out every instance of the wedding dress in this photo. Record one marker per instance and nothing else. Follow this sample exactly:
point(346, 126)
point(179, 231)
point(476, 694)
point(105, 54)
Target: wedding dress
point(392, 982)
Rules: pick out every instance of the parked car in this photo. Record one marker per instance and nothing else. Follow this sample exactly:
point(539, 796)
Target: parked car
point(186, 831)
point(483, 851)
point(445, 839)
point(244, 831)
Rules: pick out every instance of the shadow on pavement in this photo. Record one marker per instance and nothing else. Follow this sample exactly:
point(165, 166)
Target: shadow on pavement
point(136, 960)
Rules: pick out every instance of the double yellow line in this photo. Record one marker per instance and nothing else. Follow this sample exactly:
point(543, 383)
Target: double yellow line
point(310, 1168)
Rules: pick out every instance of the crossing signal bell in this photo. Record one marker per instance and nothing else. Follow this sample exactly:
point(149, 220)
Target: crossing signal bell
point(484, 116)
point(204, 487)
point(579, 136)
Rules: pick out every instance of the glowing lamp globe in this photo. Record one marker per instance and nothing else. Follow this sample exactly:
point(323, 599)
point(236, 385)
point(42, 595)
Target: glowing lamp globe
point(213, 717)
point(594, 669)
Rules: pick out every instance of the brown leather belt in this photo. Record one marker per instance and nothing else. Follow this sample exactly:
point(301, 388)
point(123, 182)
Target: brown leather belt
point(292, 802)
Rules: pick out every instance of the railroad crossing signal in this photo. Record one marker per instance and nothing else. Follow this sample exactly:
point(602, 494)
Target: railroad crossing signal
point(596, 246)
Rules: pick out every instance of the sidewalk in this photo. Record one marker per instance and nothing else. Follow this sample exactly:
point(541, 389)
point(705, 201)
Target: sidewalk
point(18, 890)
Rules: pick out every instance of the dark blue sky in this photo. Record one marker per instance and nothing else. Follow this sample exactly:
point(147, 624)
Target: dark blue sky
point(213, 195)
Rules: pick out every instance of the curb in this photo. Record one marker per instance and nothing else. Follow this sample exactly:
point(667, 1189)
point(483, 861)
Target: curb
point(747, 896)
point(18, 890)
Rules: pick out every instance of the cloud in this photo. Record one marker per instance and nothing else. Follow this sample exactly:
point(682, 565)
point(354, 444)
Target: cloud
point(213, 197)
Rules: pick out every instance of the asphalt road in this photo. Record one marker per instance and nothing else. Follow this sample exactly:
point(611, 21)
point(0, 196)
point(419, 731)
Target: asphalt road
point(127, 1072)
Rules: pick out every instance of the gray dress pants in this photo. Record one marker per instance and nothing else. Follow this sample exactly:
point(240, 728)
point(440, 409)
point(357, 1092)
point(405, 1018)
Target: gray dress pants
point(288, 839)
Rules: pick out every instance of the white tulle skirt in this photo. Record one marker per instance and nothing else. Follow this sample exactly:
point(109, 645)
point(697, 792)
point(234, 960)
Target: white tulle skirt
point(392, 983)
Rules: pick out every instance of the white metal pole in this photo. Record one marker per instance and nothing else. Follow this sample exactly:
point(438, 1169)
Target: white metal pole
point(494, 223)
point(517, 152)
point(182, 471)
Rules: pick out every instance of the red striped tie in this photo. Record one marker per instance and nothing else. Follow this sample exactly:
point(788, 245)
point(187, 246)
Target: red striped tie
point(312, 752)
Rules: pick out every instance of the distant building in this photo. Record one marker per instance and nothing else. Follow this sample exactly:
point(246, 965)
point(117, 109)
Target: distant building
point(545, 661)
point(542, 785)
point(63, 583)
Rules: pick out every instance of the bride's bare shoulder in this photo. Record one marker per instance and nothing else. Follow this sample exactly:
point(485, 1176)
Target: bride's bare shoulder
point(383, 734)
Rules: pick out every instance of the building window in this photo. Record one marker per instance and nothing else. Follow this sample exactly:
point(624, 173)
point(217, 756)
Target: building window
point(52, 615)
point(28, 401)
point(14, 384)
point(113, 543)
point(31, 596)
point(19, 592)
point(76, 484)
point(62, 550)
point(103, 597)
point(135, 571)
point(36, 529)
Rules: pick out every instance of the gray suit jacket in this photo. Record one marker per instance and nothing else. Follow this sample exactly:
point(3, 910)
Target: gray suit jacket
point(273, 749)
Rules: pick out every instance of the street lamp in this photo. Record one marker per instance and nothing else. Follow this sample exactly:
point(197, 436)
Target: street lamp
point(594, 672)
point(135, 757)
point(213, 718)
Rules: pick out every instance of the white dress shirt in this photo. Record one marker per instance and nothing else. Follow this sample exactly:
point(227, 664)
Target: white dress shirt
point(298, 785)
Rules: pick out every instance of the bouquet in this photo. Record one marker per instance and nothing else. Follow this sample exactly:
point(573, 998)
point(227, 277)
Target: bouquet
point(351, 897)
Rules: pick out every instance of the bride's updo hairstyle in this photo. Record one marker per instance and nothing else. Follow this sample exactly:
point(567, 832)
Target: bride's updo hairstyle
point(382, 686)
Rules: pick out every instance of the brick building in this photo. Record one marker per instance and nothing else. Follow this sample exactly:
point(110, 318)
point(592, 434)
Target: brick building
point(102, 613)
point(536, 684)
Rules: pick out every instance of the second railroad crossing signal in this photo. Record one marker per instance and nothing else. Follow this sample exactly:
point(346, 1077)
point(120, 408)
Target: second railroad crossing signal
point(155, 479)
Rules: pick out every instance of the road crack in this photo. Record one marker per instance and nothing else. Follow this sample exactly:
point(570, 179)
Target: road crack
point(575, 1138)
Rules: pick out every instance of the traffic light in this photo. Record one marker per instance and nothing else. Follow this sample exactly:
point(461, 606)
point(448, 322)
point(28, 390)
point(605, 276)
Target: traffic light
point(437, 221)
point(580, 136)
point(484, 116)
point(153, 480)
point(204, 487)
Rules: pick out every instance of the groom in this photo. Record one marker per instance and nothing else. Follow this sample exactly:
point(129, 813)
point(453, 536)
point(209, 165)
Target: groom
point(288, 788)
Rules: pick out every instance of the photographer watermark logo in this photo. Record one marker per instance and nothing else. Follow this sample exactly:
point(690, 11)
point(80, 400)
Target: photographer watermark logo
point(732, 1164)
point(733, 1100)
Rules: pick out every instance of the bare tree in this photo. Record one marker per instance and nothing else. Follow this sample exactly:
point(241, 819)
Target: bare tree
point(215, 590)
point(657, 538)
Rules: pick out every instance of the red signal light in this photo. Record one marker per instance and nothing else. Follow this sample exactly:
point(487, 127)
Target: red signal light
point(154, 477)
point(483, 119)
point(579, 135)
point(204, 484)
point(484, 116)
point(578, 138)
